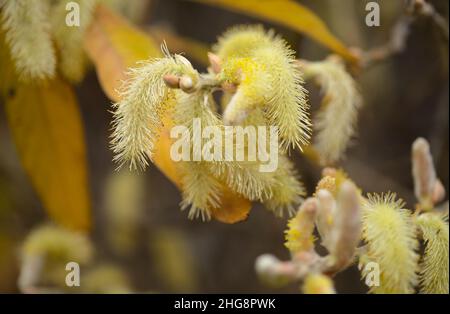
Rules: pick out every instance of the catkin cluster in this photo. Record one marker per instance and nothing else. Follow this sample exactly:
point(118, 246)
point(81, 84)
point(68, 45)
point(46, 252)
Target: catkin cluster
point(261, 86)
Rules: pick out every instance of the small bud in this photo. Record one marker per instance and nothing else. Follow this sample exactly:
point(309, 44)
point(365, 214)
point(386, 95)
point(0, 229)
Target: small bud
point(347, 227)
point(299, 236)
point(423, 172)
point(186, 84)
point(324, 221)
point(215, 61)
point(172, 81)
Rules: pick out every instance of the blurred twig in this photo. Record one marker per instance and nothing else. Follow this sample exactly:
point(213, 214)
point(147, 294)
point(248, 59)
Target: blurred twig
point(401, 30)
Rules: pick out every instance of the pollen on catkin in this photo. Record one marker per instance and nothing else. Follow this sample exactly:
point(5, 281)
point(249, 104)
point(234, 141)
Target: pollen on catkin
point(391, 240)
point(145, 101)
point(263, 67)
point(28, 37)
point(299, 234)
point(334, 124)
point(434, 265)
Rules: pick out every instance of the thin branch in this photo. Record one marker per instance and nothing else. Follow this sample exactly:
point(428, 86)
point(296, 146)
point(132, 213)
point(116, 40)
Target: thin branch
point(401, 31)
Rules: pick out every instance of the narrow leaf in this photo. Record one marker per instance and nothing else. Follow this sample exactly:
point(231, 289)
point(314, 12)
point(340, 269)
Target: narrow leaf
point(290, 14)
point(114, 45)
point(46, 125)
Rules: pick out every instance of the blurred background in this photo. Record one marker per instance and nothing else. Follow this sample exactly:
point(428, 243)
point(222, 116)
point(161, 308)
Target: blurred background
point(137, 223)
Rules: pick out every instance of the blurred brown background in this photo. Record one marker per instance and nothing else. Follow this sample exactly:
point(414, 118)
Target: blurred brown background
point(405, 96)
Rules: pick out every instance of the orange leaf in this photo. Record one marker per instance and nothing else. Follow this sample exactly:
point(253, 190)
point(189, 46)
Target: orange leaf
point(113, 45)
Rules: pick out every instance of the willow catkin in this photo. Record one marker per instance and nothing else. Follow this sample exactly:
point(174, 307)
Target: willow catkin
point(334, 124)
point(391, 242)
point(263, 67)
point(145, 100)
point(28, 36)
point(434, 265)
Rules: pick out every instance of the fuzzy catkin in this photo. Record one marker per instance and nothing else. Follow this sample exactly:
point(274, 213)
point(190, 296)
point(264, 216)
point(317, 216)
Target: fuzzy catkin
point(58, 244)
point(69, 39)
point(27, 34)
point(434, 267)
point(145, 101)
point(391, 242)
point(201, 190)
point(288, 191)
point(264, 67)
point(335, 122)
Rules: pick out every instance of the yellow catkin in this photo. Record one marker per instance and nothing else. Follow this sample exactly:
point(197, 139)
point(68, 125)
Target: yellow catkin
point(201, 190)
point(244, 177)
point(263, 67)
point(434, 265)
point(335, 123)
point(318, 284)
point(145, 99)
point(391, 240)
point(27, 34)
